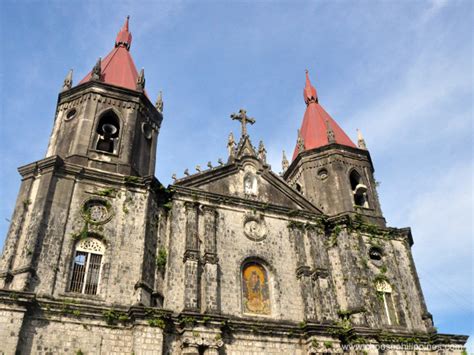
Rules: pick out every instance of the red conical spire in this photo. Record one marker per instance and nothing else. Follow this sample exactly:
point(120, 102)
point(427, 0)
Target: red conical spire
point(124, 37)
point(314, 129)
point(118, 68)
point(309, 92)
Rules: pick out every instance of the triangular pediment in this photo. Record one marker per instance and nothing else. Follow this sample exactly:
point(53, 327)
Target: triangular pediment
point(248, 178)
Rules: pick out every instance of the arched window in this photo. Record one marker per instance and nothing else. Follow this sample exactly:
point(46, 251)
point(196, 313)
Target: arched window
point(255, 289)
point(87, 266)
point(108, 131)
point(359, 190)
point(384, 291)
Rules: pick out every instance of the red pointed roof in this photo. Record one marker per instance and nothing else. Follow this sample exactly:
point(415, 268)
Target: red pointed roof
point(118, 67)
point(314, 128)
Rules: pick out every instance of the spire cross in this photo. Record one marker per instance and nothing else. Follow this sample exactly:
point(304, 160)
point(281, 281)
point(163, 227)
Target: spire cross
point(244, 119)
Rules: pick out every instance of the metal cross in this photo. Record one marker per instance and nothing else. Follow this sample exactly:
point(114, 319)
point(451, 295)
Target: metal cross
point(244, 119)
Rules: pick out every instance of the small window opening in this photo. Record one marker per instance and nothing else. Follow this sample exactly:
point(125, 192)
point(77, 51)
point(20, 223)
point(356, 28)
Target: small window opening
point(71, 114)
point(108, 131)
point(375, 254)
point(384, 291)
point(299, 188)
point(359, 190)
point(87, 265)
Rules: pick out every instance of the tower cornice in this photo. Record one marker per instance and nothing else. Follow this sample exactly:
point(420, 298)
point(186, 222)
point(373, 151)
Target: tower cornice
point(323, 151)
point(112, 92)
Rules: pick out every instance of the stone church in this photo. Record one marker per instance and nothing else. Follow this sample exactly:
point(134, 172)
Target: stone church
point(101, 258)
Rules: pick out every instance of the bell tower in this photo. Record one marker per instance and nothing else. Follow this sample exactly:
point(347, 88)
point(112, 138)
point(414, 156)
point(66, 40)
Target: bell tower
point(91, 202)
point(328, 168)
point(107, 121)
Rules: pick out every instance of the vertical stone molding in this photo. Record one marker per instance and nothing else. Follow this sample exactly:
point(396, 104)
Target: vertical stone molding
point(324, 294)
point(309, 299)
point(192, 239)
point(210, 228)
point(303, 272)
point(297, 238)
point(210, 282)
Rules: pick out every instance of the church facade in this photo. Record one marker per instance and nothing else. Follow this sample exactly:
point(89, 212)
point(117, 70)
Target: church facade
point(101, 258)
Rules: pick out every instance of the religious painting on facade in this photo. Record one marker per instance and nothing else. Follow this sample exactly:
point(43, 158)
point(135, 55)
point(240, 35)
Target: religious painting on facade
point(256, 297)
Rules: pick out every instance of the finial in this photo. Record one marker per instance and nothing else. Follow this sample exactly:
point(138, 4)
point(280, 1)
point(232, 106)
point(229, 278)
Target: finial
point(300, 142)
point(67, 81)
point(124, 37)
point(198, 168)
point(141, 80)
point(209, 165)
point(186, 172)
point(330, 133)
point(360, 140)
point(220, 162)
point(97, 70)
point(159, 102)
point(174, 177)
point(262, 152)
point(244, 119)
point(284, 162)
point(309, 93)
point(231, 145)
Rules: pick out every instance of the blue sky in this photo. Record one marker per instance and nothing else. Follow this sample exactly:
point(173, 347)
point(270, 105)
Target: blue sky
point(401, 71)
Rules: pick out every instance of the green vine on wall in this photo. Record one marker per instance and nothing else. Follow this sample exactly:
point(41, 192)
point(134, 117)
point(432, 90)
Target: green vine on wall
point(112, 317)
point(161, 259)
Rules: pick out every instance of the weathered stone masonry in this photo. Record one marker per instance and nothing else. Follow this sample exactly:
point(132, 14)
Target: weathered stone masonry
point(101, 258)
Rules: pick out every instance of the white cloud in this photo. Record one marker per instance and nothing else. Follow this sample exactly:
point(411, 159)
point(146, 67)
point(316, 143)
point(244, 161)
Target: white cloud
point(441, 220)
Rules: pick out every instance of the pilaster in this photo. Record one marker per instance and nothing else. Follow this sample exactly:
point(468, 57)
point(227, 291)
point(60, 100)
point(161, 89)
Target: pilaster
point(191, 259)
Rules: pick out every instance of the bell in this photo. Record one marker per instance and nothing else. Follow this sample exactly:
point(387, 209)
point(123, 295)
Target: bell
point(360, 189)
point(109, 129)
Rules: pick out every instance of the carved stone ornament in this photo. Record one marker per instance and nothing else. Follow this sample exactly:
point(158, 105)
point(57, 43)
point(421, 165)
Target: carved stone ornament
point(383, 286)
point(91, 245)
point(196, 341)
point(96, 211)
point(254, 227)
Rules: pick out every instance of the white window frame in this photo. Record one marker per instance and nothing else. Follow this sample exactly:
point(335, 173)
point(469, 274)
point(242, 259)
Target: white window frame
point(386, 290)
point(90, 246)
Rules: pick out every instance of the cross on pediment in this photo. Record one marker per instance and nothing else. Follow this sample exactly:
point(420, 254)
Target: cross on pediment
point(244, 119)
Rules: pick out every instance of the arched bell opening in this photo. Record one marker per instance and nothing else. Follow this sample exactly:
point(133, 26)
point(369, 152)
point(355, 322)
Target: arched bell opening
point(108, 130)
point(359, 190)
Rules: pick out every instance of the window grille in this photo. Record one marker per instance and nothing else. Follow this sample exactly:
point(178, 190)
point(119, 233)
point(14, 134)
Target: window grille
point(385, 291)
point(87, 267)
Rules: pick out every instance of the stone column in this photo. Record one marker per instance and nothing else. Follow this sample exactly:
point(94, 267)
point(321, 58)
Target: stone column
point(324, 294)
point(210, 288)
point(191, 259)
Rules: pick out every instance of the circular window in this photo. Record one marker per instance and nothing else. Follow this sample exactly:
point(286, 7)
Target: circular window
point(375, 254)
point(70, 114)
point(96, 211)
point(147, 130)
point(323, 174)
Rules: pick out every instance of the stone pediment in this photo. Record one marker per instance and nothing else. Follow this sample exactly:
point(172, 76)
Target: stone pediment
point(246, 176)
